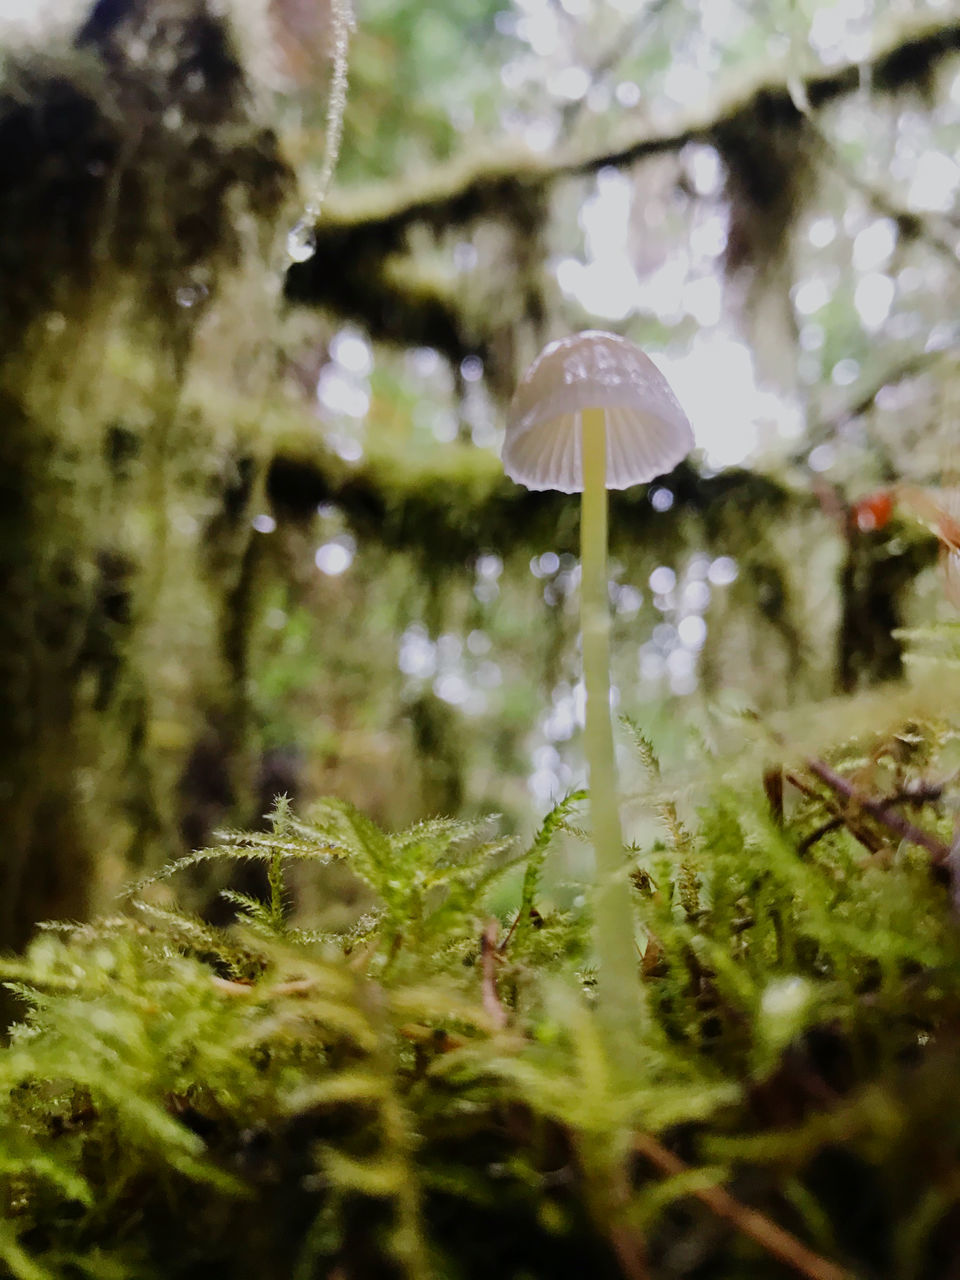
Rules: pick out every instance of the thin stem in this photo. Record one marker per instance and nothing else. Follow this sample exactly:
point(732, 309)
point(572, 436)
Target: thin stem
point(275, 882)
point(767, 1233)
point(614, 925)
point(883, 812)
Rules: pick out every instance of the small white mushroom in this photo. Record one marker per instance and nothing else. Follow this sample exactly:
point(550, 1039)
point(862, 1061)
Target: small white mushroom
point(594, 413)
point(647, 433)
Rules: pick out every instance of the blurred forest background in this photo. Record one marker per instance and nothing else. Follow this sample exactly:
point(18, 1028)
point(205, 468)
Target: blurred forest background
point(254, 533)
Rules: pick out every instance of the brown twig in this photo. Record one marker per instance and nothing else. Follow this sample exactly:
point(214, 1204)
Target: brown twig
point(824, 829)
point(510, 932)
point(881, 811)
point(294, 987)
point(803, 787)
point(488, 953)
point(867, 838)
point(609, 1198)
point(773, 789)
point(776, 1240)
point(631, 1253)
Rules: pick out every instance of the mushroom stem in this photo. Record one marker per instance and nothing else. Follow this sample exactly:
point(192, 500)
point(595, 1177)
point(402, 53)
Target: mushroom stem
point(613, 916)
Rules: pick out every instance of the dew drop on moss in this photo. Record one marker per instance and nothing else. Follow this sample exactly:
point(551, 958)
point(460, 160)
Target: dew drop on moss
point(301, 241)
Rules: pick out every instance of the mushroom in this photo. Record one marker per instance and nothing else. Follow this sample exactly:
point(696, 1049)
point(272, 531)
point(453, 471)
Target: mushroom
point(594, 413)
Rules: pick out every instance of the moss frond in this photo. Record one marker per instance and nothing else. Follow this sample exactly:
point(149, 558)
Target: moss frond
point(428, 1092)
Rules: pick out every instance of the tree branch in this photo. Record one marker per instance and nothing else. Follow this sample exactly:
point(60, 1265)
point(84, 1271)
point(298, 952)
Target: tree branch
point(912, 366)
point(360, 234)
point(448, 518)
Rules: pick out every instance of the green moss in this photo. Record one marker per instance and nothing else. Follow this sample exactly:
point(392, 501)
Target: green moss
point(140, 189)
point(423, 1090)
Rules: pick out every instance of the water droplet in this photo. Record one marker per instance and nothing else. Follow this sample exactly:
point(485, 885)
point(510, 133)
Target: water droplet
point(188, 295)
point(301, 241)
point(138, 51)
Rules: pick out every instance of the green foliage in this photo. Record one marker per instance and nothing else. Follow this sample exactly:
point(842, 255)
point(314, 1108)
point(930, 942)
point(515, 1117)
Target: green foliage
point(428, 883)
point(557, 820)
point(427, 1092)
point(422, 67)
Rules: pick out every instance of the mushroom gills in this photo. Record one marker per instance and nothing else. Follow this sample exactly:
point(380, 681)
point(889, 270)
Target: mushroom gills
point(551, 452)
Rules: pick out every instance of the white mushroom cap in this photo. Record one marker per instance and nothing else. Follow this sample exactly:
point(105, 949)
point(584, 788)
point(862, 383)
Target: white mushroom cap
point(647, 431)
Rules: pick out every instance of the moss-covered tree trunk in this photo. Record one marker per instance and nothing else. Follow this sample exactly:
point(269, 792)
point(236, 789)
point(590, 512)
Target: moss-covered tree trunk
point(139, 191)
